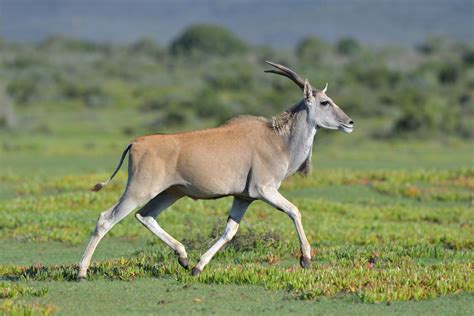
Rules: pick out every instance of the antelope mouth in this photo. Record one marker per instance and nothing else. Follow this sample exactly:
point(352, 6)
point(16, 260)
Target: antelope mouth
point(346, 128)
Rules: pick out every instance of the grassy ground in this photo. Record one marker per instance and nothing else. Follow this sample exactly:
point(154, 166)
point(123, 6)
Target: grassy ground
point(391, 225)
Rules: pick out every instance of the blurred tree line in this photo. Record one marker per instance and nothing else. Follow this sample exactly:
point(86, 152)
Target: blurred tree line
point(208, 74)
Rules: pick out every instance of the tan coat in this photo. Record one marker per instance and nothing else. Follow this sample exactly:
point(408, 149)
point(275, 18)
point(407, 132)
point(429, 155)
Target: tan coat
point(227, 160)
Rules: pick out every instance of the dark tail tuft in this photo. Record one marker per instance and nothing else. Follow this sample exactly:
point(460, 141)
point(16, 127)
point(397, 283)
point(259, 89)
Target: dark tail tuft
point(97, 187)
point(100, 185)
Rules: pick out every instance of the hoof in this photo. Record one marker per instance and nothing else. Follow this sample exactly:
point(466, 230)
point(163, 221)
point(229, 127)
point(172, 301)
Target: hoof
point(184, 263)
point(305, 262)
point(195, 272)
point(81, 279)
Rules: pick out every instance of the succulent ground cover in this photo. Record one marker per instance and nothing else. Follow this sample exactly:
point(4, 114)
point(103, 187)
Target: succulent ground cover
point(386, 235)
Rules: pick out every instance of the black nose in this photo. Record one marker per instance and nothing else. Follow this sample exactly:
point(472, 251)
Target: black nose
point(351, 123)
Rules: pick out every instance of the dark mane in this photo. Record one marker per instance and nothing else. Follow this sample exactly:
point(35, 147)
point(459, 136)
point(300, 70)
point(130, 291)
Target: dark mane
point(283, 123)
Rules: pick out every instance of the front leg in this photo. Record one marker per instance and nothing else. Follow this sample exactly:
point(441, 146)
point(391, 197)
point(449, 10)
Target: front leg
point(271, 196)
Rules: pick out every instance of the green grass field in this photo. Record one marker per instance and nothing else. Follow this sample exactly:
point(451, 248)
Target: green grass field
point(407, 206)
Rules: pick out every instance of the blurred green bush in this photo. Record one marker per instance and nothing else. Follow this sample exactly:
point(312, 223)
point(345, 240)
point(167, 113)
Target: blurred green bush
point(207, 75)
point(207, 39)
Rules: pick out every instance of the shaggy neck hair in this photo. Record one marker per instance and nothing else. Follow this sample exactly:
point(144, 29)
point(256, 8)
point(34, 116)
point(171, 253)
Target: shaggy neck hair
point(284, 122)
point(284, 125)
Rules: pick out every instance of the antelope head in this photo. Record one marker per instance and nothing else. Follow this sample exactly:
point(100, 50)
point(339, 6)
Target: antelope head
point(327, 113)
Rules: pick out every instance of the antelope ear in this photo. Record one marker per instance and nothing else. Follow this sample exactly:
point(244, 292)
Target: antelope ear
point(325, 88)
point(308, 90)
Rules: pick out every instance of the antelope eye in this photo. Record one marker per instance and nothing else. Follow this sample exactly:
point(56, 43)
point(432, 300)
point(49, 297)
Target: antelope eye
point(324, 103)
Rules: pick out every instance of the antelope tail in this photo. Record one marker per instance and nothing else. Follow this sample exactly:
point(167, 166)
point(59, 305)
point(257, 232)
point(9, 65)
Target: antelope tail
point(100, 185)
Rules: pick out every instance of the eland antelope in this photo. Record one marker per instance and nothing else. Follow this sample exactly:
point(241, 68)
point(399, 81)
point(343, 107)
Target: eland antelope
point(247, 158)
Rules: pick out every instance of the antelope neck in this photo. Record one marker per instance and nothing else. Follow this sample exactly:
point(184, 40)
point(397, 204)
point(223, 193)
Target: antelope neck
point(300, 138)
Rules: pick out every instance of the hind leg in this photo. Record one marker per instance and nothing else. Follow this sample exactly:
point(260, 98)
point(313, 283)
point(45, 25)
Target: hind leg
point(147, 216)
point(237, 211)
point(105, 222)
